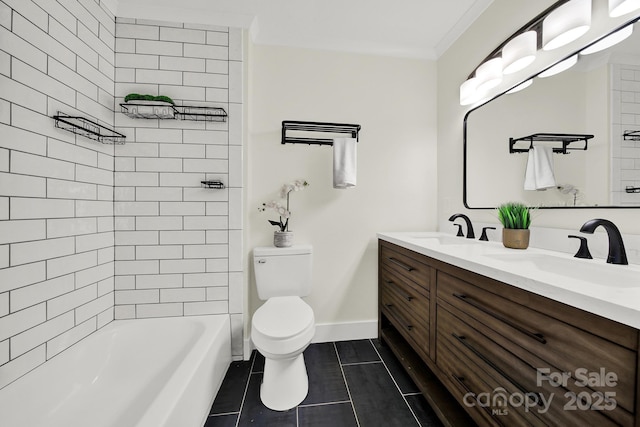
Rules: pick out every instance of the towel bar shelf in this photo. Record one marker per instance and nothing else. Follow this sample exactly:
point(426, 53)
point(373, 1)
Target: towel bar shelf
point(564, 138)
point(632, 135)
point(298, 126)
point(88, 128)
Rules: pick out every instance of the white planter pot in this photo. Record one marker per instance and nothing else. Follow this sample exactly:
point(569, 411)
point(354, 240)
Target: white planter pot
point(282, 239)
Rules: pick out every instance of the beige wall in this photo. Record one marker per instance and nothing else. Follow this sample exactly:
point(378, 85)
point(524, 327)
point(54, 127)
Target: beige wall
point(498, 22)
point(395, 102)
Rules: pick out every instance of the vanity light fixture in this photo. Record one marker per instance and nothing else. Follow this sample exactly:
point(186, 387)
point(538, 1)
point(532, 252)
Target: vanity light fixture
point(469, 92)
point(622, 7)
point(559, 24)
point(519, 52)
point(566, 23)
point(609, 41)
point(489, 74)
point(525, 84)
point(560, 67)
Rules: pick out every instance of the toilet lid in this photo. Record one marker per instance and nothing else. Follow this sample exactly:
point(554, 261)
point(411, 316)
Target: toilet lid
point(283, 317)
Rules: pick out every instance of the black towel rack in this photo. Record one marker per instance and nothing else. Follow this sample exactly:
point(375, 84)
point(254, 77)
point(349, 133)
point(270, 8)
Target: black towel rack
point(297, 126)
point(564, 138)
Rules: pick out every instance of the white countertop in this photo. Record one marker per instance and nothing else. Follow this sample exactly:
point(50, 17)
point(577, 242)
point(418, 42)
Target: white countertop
point(610, 291)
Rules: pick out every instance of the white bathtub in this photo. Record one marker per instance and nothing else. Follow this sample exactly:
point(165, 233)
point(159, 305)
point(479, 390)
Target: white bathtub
point(131, 373)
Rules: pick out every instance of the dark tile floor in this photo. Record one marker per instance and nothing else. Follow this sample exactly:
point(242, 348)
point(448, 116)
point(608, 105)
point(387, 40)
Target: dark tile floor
point(351, 384)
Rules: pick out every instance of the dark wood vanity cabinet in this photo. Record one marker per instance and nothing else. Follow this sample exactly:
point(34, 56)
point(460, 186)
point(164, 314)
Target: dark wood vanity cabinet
point(487, 353)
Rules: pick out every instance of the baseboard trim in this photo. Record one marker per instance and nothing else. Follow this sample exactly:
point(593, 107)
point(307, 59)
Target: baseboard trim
point(345, 331)
point(329, 332)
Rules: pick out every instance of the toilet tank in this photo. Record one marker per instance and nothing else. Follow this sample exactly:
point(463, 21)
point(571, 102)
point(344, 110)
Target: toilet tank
point(283, 271)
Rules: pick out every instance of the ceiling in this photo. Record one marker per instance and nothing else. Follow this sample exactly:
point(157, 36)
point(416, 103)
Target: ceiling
point(405, 28)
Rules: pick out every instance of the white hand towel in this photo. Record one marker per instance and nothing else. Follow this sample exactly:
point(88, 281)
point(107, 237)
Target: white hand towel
point(539, 174)
point(344, 162)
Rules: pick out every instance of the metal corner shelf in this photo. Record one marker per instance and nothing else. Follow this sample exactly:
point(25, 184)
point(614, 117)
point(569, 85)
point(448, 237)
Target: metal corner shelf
point(631, 189)
point(88, 128)
point(165, 110)
point(198, 113)
point(292, 125)
point(148, 110)
point(631, 135)
point(213, 184)
point(564, 138)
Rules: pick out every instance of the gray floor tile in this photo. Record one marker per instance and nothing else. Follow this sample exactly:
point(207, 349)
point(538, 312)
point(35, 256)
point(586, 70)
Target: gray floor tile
point(333, 415)
point(254, 413)
point(358, 351)
point(375, 397)
point(326, 383)
point(423, 411)
point(228, 420)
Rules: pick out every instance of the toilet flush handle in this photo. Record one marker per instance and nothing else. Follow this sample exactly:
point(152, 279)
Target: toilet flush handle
point(262, 261)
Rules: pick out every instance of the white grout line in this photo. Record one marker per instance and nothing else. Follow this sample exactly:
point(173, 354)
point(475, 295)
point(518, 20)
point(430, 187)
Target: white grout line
point(310, 405)
point(344, 378)
point(397, 386)
point(373, 362)
point(246, 387)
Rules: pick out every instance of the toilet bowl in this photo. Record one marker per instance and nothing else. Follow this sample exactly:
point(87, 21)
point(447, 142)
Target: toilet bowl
point(284, 326)
point(281, 330)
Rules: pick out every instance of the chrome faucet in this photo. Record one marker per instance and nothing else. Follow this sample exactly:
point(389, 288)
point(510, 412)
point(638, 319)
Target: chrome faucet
point(617, 253)
point(470, 233)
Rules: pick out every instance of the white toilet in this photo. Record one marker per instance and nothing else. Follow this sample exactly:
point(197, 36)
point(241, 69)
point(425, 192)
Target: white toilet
point(282, 328)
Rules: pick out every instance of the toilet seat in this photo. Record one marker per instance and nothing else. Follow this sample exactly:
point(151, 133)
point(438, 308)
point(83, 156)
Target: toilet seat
point(283, 325)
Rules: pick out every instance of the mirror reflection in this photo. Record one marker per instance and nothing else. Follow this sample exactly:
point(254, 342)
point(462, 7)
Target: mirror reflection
point(575, 121)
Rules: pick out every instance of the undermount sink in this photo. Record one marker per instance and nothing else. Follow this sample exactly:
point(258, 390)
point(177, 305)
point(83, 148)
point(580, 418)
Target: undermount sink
point(444, 240)
point(592, 271)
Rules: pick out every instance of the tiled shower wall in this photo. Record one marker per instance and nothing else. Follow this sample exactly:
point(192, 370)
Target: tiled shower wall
point(56, 189)
point(178, 245)
point(625, 116)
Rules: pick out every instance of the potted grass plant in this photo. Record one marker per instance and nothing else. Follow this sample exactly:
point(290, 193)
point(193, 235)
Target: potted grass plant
point(516, 219)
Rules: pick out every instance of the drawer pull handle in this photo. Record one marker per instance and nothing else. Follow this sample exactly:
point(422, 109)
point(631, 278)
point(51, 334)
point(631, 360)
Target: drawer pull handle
point(460, 380)
point(536, 336)
point(463, 340)
point(407, 327)
point(407, 296)
point(401, 264)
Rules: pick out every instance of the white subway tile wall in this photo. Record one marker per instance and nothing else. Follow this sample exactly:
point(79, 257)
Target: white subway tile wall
point(89, 232)
point(56, 189)
point(625, 155)
point(179, 245)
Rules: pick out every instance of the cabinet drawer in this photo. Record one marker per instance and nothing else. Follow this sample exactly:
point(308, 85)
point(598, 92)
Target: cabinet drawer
point(470, 385)
point(406, 264)
point(413, 327)
point(512, 373)
point(560, 346)
point(414, 297)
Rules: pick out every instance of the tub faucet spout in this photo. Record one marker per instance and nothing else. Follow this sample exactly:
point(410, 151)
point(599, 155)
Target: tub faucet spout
point(617, 253)
point(470, 233)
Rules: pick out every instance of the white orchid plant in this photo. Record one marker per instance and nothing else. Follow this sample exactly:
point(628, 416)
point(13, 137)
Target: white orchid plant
point(278, 206)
